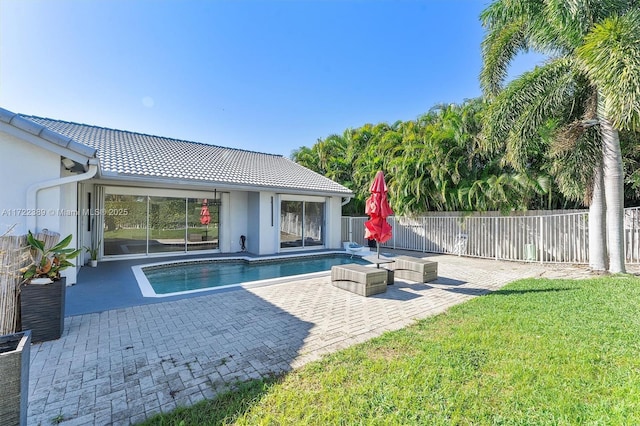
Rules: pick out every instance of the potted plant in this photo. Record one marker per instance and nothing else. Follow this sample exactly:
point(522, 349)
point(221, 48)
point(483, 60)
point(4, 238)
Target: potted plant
point(42, 294)
point(93, 252)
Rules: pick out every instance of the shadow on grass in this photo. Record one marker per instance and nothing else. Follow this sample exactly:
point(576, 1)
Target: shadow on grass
point(484, 291)
point(508, 292)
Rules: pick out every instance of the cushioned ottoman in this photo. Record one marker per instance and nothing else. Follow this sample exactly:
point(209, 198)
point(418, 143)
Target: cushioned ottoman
point(359, 279)
point(415, 269)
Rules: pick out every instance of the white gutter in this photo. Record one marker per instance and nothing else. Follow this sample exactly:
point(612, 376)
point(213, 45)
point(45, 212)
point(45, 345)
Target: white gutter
point(32, 191)
point(108, 178)
point(345, 200)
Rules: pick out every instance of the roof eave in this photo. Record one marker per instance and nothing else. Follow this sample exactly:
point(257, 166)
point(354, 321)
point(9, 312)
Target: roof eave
point(42, 137)
point(156, 180)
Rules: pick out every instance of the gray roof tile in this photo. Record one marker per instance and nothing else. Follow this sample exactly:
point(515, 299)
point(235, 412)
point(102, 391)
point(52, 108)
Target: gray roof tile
point(135, 154)
point(40, 130)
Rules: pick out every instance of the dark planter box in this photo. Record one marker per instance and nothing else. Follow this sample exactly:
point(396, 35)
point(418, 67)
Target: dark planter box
point(42, 310)
point(14, 370)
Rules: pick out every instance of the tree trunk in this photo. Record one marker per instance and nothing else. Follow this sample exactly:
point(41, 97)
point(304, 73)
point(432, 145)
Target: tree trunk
point(614, 194)
point(597, 229)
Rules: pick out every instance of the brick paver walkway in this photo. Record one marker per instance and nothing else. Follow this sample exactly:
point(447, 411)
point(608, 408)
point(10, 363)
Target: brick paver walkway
point(123, 366)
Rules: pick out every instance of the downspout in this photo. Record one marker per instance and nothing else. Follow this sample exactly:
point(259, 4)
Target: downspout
point(32, 191)
point(345, 200)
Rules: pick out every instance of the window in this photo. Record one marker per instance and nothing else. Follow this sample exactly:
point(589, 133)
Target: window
point(301, 224)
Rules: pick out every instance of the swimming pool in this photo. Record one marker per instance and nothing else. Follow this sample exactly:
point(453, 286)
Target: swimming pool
point(175, 278)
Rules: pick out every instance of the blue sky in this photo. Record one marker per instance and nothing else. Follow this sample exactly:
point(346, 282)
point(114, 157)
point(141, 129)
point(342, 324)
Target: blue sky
point(268, 76)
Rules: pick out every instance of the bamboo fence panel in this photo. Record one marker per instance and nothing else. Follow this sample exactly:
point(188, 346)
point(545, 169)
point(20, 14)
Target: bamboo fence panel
point(14, 255)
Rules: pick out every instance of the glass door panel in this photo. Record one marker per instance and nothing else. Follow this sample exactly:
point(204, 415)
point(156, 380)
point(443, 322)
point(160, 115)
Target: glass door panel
point(166, 224)
point(313, 224)
point(291, 216)
point(125, 224)
point(203, 219)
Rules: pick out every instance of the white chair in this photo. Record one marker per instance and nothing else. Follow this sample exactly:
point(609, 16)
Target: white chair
point(354, 248)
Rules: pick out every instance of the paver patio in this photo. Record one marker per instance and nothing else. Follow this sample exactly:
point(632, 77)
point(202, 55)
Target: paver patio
point(123, 366)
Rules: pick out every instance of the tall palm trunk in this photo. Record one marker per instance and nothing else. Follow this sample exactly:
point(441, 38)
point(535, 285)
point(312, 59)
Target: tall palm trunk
point(614, 193)
point(597, 229)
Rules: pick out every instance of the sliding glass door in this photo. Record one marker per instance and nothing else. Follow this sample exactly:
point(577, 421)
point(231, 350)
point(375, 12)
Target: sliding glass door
point(301, 223)
point(150, 224)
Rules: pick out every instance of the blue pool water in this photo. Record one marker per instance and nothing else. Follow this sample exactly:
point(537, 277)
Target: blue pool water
point(175, 278)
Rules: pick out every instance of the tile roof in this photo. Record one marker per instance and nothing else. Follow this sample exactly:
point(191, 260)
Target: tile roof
point(122, 153)
point(40, 130)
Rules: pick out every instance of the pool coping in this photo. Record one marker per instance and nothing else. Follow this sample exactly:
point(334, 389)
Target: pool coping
point(147, 290)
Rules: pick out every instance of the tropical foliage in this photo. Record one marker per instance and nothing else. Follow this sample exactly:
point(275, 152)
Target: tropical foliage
point(48, 262)
point(583, 96)
point(439, 163)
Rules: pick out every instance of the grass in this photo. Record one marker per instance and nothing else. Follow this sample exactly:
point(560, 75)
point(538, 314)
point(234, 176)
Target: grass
point(554, 352)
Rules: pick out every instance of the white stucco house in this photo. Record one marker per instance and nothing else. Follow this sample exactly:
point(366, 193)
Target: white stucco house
point(137, 195)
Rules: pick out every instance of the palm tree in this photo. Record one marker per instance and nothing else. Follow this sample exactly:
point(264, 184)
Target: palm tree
point(592, 78)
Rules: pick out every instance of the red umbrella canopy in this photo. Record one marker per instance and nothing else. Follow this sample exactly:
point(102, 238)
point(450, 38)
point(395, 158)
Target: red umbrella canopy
point(378, 208)
point(205, 216)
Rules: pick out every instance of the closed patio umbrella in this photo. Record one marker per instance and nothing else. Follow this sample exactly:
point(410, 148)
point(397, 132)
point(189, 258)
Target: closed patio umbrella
point(377, 207)
point(205, 217)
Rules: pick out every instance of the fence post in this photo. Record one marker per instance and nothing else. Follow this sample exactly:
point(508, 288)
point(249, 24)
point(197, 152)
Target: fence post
point(497, 234)
point(350, 228)
point(394, 232)
point(424, 236)
point(541, 239)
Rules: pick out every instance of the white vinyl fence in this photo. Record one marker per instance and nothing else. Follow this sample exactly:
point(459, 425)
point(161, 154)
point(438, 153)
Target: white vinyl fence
point(549, 237)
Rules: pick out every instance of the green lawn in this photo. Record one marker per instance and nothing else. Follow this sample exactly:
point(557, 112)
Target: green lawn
point(554, 352)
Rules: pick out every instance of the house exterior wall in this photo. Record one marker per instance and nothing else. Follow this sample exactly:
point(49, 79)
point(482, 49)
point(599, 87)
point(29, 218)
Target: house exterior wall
point(253, 222)
point(269, 231)
point(239, 220)
point(262, 230)
point(334, 223)
point(55, 207)
point(24, 165)
point(68, 216)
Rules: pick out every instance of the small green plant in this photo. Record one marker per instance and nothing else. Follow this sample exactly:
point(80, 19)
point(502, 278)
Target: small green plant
point(47, 263)
point(57, 419)
point(93, 251)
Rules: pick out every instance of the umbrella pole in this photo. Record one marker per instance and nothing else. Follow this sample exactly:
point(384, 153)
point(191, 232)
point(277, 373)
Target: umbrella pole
point(378, 248)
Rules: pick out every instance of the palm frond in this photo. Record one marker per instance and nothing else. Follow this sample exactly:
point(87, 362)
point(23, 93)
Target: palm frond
point(574, 168)
point(569, 21)
point(514, 118)
point(610, 57)
point(499, 47)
